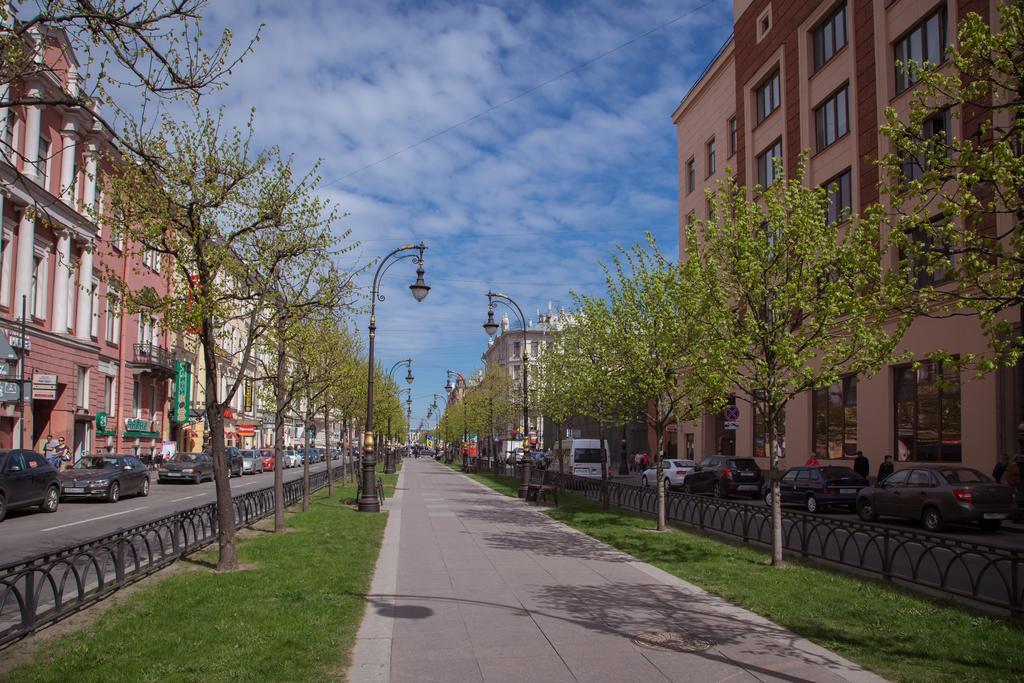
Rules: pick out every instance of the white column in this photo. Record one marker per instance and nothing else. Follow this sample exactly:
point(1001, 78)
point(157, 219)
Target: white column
point(89, 193)
point(32, 116)
point(26, 253)
point(60, 282)
point(83, 324)
point(67, 164)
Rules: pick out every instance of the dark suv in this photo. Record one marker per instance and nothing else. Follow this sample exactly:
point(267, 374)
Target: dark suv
point(725, 475)
point(816, 488)
point(233, 456)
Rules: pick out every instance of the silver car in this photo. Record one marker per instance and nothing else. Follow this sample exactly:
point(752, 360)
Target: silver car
point(252, 462)
point(675, 472)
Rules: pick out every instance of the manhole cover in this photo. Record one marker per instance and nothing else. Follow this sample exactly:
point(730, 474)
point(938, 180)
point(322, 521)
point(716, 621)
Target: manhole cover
point(672, 641)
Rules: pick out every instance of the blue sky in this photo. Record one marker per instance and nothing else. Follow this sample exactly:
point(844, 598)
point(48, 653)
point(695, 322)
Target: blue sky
point(525, 199)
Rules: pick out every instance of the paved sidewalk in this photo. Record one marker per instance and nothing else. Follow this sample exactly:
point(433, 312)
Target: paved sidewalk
point(475, 586)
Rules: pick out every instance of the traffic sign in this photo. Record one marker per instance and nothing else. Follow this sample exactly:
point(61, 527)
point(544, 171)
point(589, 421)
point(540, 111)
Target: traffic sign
point(732, 413)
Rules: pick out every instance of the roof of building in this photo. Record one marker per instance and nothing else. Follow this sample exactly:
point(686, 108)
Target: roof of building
point(704, 74)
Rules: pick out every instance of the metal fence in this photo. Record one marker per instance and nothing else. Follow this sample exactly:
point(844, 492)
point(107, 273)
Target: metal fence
point(46, 588)
point(979, 572)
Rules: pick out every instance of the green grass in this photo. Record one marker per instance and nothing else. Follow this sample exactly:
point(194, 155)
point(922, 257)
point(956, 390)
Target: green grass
point(899, 635)
point(293, 616)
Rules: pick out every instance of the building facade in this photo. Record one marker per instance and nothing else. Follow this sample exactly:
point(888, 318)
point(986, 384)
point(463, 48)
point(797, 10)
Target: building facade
point(817, 76)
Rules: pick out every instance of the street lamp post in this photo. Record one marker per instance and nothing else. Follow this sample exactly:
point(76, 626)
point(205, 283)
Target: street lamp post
point(368, 497)
point(491, 327)
point(389, 461)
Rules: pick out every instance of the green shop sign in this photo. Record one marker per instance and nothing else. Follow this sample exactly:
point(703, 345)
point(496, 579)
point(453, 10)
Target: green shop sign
point(182, 390)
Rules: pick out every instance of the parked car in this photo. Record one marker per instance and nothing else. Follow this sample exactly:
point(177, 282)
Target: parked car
point(267, 455)
point(725, 475)
point(538, 460)
point(252, 462)
point(27, 479)
point(106, 477)
point(236, 465)
point(193, 467)
point(817, 488)
point(291, 459)
point(675, 473)
point(938, 494)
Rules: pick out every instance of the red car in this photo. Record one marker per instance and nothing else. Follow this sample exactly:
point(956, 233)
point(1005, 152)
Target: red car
point(268, 460)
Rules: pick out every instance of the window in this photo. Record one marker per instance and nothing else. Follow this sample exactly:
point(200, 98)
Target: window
point(10, 137)
point(937, 130)
point(733, 136)
point(73, 188)
point(711, 155)
point(832, 118)
point(927, 412)
point(691, 176)
point(152, 400)
point(927, 270)
point(926, 42)
point(840, 199)
point(43, 160)
point(108, 395)
point(834, 410)
point(94, 310)
point(113, 326)
point(40, 268)
point(766, 171)
point(5, 268)
point(829, 37)
point(517, 351)
point(689, 446)
point(82, 398)
point(136, 399)
point(768, 97)
point(760, 435)
point(921, 479)
point(146, 328)
point(72, 289)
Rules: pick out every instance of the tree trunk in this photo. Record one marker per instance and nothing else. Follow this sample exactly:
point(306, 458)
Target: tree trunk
point(280, 406)
point(560, 455)
point(605, 498)
point(327, 449)
point(773, 474)
point(305, 460)
point(215, 415)
point(660, 477)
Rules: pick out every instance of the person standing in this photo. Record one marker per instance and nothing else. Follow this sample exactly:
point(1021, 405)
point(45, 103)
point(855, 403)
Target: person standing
point(812, 461)
point(49, 448)
point(885, 469)
point(63, 452)
point(1000, 469)
point(861, 465)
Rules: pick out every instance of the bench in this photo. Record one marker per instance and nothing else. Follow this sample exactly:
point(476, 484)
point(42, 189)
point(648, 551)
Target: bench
point(540, 492)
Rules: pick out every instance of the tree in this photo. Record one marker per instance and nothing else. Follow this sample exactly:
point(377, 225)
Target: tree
point(959, 201)
point(228, 219)
point(788, 300)
point(553, 383)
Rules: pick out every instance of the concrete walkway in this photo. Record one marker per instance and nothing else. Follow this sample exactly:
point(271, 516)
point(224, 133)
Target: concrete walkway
point(475, 586)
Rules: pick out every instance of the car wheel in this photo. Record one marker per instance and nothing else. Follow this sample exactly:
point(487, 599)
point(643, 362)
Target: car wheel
point(811, 504)
point(145, 487)
point(991, 524)
point(198, 479)
point(866, 510)
point(931, 518)
point(768, 497)
point(643, 481)
point(686, 487)
point(114, 492)
point(718, 491)
point(51, 501)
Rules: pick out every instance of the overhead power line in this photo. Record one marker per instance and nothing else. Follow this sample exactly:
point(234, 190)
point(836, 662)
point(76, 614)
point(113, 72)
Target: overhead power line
point(522, 94)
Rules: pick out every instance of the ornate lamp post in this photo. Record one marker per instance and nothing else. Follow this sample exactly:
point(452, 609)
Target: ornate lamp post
point(491, 327)
point(389, 461)
point(368, 497)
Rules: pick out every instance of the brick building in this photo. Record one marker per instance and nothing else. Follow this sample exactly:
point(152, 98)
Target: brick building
point(816, 75)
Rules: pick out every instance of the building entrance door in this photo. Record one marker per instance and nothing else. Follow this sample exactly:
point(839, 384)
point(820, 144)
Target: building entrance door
point(82, 445)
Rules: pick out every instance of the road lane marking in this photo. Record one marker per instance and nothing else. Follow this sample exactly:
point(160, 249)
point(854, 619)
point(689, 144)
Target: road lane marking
point(95, 519)
point(178, 500)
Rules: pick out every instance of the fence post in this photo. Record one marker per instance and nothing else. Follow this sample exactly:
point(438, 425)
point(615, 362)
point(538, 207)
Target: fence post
point(886, 562)
point(804, 535)
point(1017, 599)
point(700, 512)
point(746, 521)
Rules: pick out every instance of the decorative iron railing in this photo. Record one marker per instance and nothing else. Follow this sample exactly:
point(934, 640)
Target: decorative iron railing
point(49, 587)
point(154, 354)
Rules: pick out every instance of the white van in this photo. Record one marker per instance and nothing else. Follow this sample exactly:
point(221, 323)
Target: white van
point(582, 457)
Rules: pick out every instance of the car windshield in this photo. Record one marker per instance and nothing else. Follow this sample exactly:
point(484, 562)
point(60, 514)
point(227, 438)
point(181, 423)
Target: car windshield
point(744, 464)
point(184, 457)
point(97, 463)
point(965, 476)
point(679, 463)
point(588, 455)
point(838, 473)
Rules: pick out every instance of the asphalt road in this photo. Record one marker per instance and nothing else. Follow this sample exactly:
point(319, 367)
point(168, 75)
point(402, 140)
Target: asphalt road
point(1010, 536)
point(27, 533)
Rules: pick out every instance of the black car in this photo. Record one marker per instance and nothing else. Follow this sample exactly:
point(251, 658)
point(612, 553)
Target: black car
point(725, 475)
point(107, 477)
point(27, 479)
point(816, 488)
point(193, 467)
point(233, 455)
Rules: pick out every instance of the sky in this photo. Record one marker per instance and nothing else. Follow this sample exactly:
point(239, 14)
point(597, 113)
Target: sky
point(525, 198)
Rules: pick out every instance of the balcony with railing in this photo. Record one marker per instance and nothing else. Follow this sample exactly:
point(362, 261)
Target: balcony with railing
point(154, 358)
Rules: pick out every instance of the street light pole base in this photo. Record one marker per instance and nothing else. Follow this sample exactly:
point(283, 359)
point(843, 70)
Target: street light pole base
point(523, 490)
point(372, 505)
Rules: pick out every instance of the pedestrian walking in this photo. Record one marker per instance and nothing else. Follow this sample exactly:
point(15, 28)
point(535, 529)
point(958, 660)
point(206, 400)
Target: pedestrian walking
point(1000, 469)
point(63, 452)
point(646, 460)
point(812, 461)
point(861, 464)
point(885, 469)
point(637, 462)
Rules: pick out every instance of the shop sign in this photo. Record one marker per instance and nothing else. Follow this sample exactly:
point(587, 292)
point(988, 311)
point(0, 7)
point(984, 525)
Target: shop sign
point(246, 430)
point(182, 389)
point(6, 352)
point(10, 392)
point(101, 421)
point(136, 424)
point(19, 343)
point(44, 387)
point(248, 397)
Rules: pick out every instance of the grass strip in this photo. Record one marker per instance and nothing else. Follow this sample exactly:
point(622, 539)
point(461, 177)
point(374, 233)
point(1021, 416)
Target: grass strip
point(900, 635)
point(292, 615)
